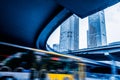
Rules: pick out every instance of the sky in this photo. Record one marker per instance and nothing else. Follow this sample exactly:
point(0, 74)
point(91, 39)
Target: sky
point(112, 20)
point(112, 17)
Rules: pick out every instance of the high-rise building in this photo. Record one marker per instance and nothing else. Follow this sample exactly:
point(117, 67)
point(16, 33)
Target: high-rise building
point(96, 34)
point(69, 34)
point(56, 47)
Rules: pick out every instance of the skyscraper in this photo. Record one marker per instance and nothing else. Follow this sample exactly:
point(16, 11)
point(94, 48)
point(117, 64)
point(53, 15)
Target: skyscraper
point(69, 34)
point(96, 34)
point(56, 47)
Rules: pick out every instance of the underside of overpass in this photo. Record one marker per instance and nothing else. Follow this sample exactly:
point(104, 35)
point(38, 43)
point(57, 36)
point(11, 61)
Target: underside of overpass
point(30, 23)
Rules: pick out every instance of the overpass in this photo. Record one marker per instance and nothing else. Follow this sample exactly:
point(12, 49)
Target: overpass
point(30, 23)
point(98, 53)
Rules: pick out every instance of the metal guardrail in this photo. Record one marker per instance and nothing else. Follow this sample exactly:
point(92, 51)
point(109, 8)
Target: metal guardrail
point(80, 59)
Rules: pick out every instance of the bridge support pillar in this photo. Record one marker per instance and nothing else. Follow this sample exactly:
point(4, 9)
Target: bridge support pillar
point(114, 70)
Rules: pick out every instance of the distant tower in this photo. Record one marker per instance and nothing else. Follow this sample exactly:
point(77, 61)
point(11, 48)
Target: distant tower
point(56, 47)
point(69, 34)
point(96, 34)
